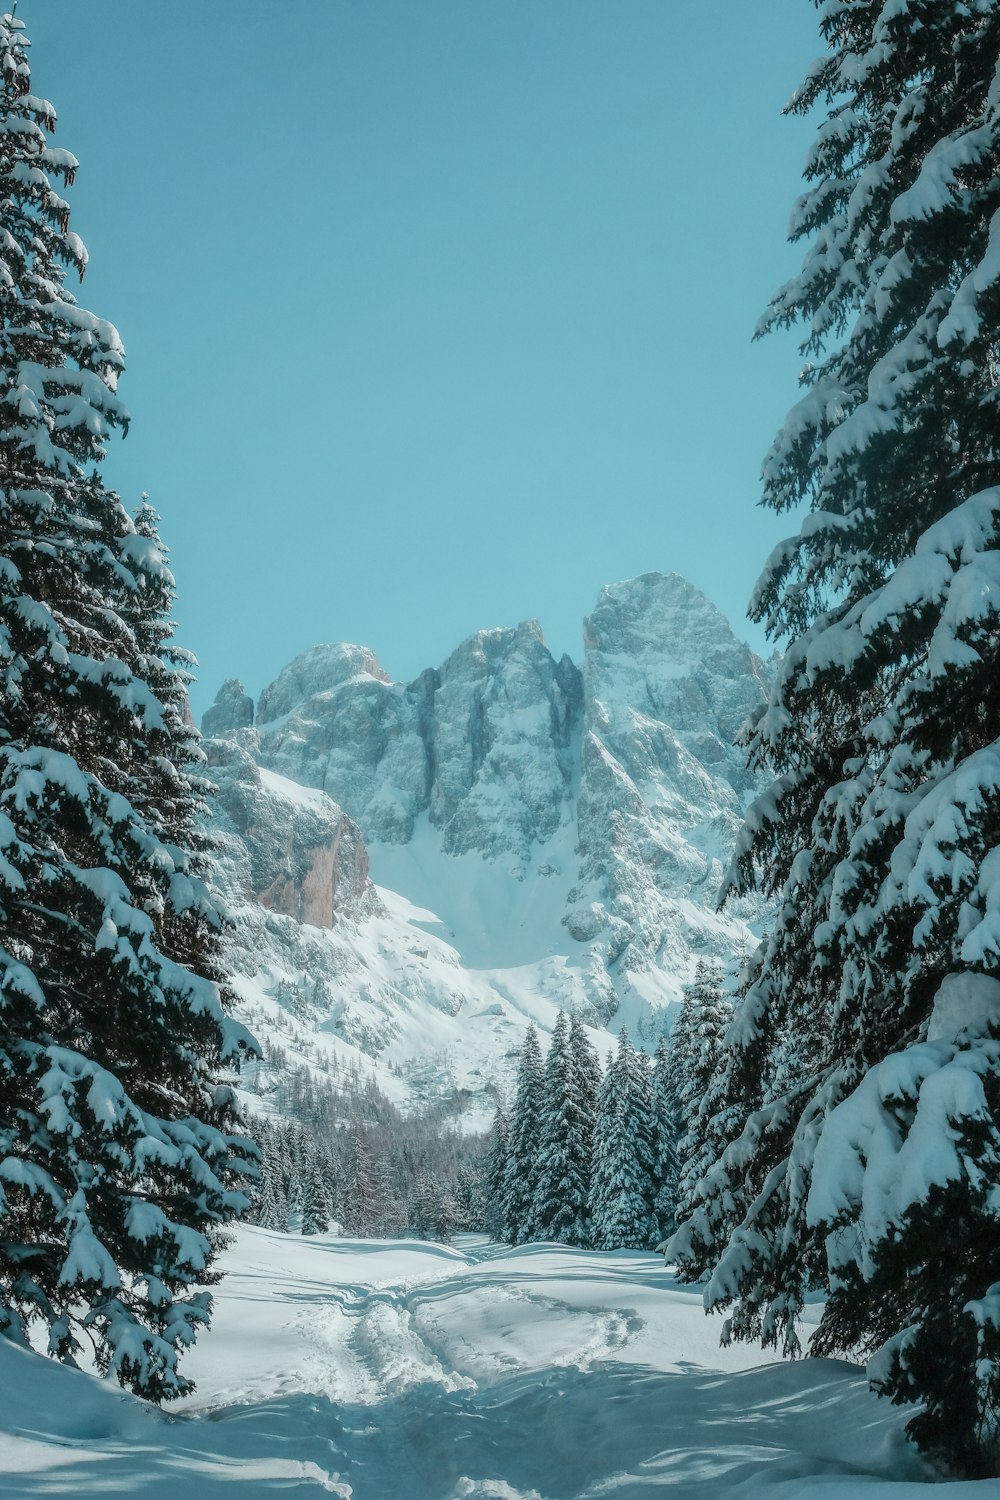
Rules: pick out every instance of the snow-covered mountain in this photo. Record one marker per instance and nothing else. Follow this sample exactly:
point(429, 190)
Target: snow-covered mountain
point(416, 870)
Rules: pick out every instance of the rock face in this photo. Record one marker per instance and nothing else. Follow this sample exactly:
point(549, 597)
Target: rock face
point(232, 710)
point(291, 850)
point(576, 818)
point(485, 745)
point(666, 688)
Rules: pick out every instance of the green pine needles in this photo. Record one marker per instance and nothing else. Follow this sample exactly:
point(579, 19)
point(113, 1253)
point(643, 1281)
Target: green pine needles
point(857, 1091)
point(120, 1161)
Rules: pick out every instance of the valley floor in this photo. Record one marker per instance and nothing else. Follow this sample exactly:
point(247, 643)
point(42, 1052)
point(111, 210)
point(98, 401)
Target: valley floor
point(411, 1371)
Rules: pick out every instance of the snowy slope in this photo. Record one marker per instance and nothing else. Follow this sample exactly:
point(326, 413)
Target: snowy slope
point(417, 870)
point(412, 1371)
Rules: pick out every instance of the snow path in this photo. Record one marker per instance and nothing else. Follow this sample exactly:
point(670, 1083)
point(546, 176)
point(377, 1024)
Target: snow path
point(409, 1371)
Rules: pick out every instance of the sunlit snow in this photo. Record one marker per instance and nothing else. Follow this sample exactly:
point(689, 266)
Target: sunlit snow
point(405, 1370)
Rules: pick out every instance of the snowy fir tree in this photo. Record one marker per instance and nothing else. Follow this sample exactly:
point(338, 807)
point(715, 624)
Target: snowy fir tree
point(118, 1161)
point(360, 1196)
point(523, 1142)
point(494, 1218)
point(864, 1061)
point(705, 1017)
point(666, 1128)
point(622, 1189)
point(317, 1210)
point(587, 1070)
point(559, 1210)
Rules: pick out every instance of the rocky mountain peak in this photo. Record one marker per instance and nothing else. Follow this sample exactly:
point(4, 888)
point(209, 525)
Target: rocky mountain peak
point(656, 646)
point(659, 612)
point(318, 670)
point(232, 710)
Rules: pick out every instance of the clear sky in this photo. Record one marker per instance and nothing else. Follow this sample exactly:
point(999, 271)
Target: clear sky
point(438, 312)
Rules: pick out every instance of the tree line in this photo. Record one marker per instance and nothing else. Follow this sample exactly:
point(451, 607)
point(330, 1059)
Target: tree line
point(607, 1160)
point(337, 1151)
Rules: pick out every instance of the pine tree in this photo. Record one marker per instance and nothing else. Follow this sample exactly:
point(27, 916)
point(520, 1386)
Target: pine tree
point(388, 1211)
point(622, 1185)
point(424, 1204)
point(316, 1207)
point(496, 1176)
point(470, 1198)
point(446, 1220)
point(118, 1164)
point(666, 1130)
point(269, 1200)
point(559, 1209)
point(359, 1209)
point(704, 1020)
point(861, 1071)
point(523, 1142)
point(587, 1069)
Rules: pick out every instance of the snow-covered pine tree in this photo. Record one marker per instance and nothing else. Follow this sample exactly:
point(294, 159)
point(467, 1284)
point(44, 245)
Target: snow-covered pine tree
point(388, 1207)
point(269, 1195)
point(622, 1186)
point(359, 1207)
point(863, 1058)
point(273, 1205)
point(587, 1066)
point(170, 790)
point(424, 1203)
point(523, 1142)
point(471, 1197)
point(496, 1176)
point(704, 1020)
point(447, 1220)
point(330, 1174)
point(317, 1210)
point(559, 1210)
point(117, 1162)
point(666, 1128)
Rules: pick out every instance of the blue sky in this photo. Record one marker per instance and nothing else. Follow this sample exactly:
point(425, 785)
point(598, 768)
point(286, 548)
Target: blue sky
point(438, 312)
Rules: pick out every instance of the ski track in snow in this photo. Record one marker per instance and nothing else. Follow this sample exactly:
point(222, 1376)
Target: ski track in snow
point(410, 1371)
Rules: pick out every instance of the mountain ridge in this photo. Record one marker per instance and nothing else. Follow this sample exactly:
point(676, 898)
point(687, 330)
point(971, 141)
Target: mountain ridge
point(562, 829)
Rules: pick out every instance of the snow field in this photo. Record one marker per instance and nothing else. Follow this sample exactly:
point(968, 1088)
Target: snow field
point(402, 1370)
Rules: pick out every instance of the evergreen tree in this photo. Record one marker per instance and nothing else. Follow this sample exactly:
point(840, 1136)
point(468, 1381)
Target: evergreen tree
point(118, 1164)
point(523, 1142)
point(317, 1210)
point(587, 1068)
point(559, 1209)
point(868, 1019)
point(496, 1177)
point(269, 1196)
point(424, 1204)
point(470, 1197)
point(388, 1212)
point(359, 1208)
point(331, 1181)
point(622, 1184)
point(704, 1020)
point(446, 1220)
point(665, 1113)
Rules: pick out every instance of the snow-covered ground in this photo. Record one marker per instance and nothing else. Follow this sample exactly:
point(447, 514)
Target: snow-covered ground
point(410, 1371)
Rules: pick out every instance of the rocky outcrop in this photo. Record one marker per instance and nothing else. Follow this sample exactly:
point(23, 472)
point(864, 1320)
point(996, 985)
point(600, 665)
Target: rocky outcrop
point(232, 710)
point(666, 688)
point(485, 745)
point(291, 850)
point(315, 674)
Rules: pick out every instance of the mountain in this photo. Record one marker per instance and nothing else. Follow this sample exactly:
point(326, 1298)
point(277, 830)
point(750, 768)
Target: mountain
point(416, 870)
